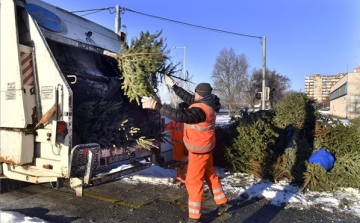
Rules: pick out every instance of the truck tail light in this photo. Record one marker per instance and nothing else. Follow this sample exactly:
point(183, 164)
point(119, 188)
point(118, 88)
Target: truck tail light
point(61, 127)
point(61, 131)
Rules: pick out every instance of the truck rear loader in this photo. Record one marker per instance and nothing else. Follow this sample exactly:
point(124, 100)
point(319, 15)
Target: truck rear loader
point(57, 83)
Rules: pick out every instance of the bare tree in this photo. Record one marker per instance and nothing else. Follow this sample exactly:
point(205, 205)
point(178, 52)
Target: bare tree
point(277, 83)
point(252, 87)
point(230, 77)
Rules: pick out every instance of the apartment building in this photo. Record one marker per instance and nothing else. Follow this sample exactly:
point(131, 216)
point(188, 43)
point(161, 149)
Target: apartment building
point(318, 87)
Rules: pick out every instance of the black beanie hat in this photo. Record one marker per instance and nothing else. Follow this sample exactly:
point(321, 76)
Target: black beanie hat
point(203, 89)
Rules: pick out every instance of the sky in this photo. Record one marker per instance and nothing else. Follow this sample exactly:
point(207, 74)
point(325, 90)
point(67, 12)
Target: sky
point(303, 37)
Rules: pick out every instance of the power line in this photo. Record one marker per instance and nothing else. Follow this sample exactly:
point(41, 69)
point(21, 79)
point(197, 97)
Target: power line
point(93, 11)
point(192, 25)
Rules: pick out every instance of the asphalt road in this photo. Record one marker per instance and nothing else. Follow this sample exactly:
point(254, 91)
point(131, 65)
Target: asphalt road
point(122, 202)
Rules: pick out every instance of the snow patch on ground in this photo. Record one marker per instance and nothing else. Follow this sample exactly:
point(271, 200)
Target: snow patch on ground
point(244, 186)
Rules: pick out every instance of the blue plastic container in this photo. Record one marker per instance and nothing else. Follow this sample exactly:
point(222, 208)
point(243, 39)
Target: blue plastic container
point(324, 158)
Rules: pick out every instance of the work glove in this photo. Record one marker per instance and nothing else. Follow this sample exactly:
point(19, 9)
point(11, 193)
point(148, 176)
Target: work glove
point(169, 82)
point(148, 102)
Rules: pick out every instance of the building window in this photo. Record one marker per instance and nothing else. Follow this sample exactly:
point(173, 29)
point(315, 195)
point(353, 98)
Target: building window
point(341, 91)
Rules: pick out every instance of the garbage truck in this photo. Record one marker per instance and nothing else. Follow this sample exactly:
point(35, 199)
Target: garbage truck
point(57, 82)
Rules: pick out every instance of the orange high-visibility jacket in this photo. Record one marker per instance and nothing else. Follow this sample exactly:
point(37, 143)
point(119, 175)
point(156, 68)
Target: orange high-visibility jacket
point(200, 137)
point(177, 132)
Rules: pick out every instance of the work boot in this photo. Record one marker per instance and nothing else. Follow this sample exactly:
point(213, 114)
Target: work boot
point(223, 208)
point(189, 220)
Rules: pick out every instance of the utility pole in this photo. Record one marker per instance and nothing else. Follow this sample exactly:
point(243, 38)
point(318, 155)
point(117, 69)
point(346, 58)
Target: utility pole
point(117, 19)
point(263, 94)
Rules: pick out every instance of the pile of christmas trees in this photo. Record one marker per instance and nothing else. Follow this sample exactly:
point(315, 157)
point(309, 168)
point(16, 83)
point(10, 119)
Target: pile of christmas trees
point(277, 145)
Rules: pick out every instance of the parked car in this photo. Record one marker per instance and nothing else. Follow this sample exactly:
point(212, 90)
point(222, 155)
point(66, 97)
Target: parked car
point(324, 111)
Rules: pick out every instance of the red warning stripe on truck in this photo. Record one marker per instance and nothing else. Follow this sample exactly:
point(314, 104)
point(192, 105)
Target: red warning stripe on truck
point(26, 69)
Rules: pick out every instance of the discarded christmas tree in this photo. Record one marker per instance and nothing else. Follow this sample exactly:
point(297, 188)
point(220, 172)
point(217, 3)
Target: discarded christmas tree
point(143, 64)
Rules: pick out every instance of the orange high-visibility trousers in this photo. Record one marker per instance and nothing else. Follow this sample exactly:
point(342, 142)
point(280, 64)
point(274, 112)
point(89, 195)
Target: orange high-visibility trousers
point(179, 155)
point(200, 168)
point(179, 152)
point(177, 134)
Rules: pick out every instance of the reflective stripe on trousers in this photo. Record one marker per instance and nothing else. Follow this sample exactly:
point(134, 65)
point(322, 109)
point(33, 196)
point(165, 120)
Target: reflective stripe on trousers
point(219, 195)
point(200, 149)
point(194, 209)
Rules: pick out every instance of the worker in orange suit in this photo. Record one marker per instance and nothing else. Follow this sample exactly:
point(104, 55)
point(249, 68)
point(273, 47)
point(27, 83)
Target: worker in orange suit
point(199, 138)
point(179, 151)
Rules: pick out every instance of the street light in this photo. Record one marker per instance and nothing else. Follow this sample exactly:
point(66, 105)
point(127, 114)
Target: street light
point(182, 47)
